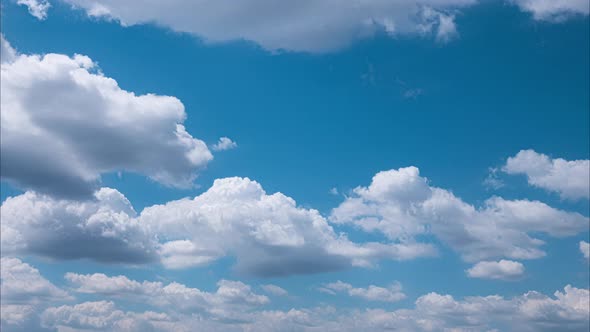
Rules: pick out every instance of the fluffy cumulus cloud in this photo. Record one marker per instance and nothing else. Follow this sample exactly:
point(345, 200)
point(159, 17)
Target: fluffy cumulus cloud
point(24, 292)
point(554, 10)
point(569, 178)
point(23, 284)
point(267, 234)
point(392, 293)
point(585, 249)
point(37, 8)
point(64, 124)
point(533, 311)
point(503, 269)
point(310, 25)
point(103, 229)
point(403, 206)
point(231, 298)
point(225, 143)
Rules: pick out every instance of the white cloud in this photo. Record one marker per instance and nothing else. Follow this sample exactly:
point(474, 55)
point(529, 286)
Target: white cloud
point(37, 8)
point(553, 10)
point(310, 25)
point(533, 311)
point(24, 292)
point(230, 298)
point(274, 290)
point(64, 124)
point(101, 316)
point(392, 293)
point(530, 312)
point(267, 234)
point(7, 52)
point(571, 179)
point(23, 284)
point(585, 249)
point(224, 144)
point(503, 269)
point(103, 229)
point(401, 205)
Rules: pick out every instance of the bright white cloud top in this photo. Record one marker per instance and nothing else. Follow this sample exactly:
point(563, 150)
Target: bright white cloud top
point(402, 205)
point(64, 124)
point(503, 269)
point(569, 178)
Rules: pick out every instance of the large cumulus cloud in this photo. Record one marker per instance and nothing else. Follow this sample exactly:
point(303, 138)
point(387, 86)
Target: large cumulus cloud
point(267, 234)
point(64, 124)
point(403, 206)
point(309, 25)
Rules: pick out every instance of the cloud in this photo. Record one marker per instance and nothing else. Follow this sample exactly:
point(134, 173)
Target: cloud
point(585, 249)
point(37, 8)
point(100, 315)
point(7, 52)
point(103, 229)
point(224, 144)
point(24, 292)
point(64, 124)
point(401, 205)
point(503, 269)
point(532, 311)
point(274, 290)
point(392, 293)
point(553, 10)
point(23, 284)
point(269, 235)
point(570, 179)
point(492, 181)
point(230, 298)
point(309, 26)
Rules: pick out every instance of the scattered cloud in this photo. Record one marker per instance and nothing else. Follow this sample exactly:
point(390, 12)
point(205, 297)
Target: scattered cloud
point(532, 311)
point(492, 181)
point(571, 179)
point(37, 8)
point(402, 205)
point(554, 10)
point(224, 144)
point(412, 93)
point(585, 249)
point(503, 269)
point(392, 293)
point(62, 113)
point(274, 290)
point(23, 284)
point(230, 298)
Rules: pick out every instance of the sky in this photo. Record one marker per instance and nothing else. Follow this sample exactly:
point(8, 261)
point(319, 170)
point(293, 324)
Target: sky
point(315, 165)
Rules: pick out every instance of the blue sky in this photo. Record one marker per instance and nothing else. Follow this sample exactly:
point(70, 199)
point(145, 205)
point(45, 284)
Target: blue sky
point(488, 99)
